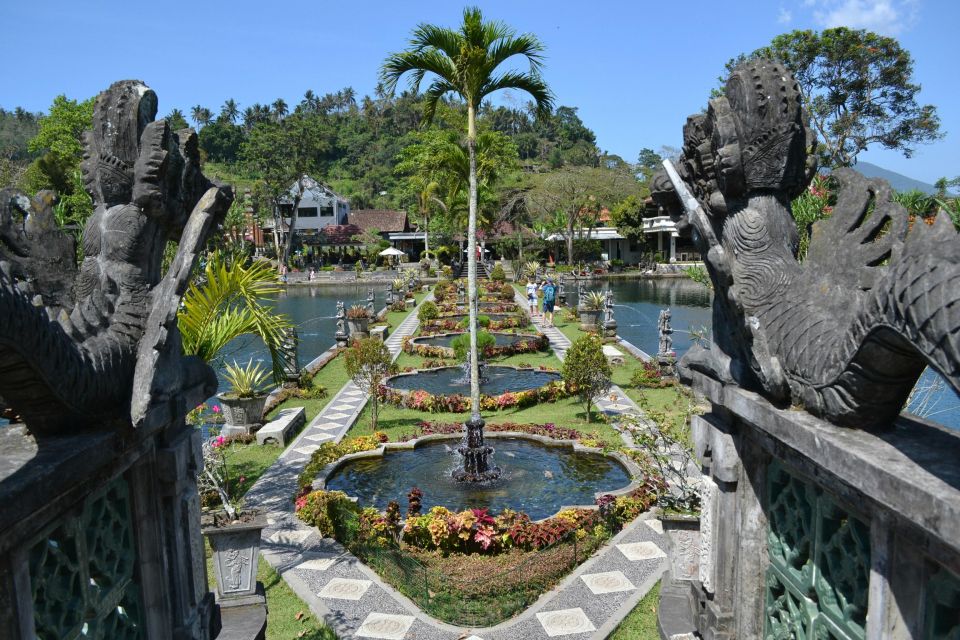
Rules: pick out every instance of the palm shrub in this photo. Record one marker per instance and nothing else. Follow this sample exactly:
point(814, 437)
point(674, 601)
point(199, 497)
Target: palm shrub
point(368, 363)
point(231, 299)
point(586, 371)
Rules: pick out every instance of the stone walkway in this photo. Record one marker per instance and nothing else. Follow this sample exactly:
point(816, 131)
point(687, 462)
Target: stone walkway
point(351, 598)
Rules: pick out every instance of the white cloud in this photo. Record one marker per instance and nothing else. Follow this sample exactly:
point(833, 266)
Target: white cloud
point(887, 17)
point(784, 16)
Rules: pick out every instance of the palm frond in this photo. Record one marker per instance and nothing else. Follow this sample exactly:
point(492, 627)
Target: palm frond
point(418, 63)
point(431, 97)
point(527, 45)
point(530, 82)
point(429, 36)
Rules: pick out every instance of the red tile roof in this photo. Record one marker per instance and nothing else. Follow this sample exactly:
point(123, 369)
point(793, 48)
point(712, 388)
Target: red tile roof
point(385, 220)
point(340, 233)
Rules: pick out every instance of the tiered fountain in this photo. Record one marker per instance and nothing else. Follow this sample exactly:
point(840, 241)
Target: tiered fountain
point(476, 455)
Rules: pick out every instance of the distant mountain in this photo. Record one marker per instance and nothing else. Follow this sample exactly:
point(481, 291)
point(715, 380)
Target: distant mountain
point(898, 181)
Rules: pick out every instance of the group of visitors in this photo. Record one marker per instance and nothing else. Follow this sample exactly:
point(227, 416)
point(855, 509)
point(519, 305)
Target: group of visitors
point(549, 291)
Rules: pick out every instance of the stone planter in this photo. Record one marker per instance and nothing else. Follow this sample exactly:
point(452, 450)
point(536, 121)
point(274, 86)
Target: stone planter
point(359, 327)
point(590, 319)
point(683, 534)
point(241, 415)
point(236, 551)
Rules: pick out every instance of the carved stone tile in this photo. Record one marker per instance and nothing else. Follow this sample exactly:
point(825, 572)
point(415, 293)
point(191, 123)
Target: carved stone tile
point(645, 550)
point(565, 622)
point(345, 589)
point(607, 582)
point(385, 626)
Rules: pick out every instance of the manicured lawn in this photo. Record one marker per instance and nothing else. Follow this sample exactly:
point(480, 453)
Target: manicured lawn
point(641, 623)
point(247, 462)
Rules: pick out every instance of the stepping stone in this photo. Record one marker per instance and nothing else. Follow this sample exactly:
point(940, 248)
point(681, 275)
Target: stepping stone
point(385, 626)
point(317, 564)
point(565, 622)
point(291, 536)
point(330, 425)
point(607, 582)
point(655, 524)
point(345, 589)
point(641, 551)
point(308, 450)
point(336, 416)
point(320, 437)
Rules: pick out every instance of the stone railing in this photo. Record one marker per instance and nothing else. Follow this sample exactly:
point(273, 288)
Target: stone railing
point(810, 530)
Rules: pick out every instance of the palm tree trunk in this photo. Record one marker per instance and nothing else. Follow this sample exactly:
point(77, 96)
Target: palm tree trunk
point(472, 263)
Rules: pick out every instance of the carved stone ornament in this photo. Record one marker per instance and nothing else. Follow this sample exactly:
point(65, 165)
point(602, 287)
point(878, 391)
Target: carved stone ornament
point(846, 333)
point(100, 348)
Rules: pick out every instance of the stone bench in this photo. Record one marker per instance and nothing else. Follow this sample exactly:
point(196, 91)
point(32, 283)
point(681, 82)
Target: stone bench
point(380, 333)
point(613, 355)
point(411, 303)
point(283, 427)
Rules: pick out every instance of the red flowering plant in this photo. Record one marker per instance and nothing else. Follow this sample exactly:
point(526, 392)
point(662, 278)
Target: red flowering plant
point(215, 476)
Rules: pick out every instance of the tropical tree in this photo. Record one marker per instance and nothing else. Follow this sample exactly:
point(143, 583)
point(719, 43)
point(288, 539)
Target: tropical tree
point(230, 111)
point(280, 109)
point(368, 363)
point(201, 115)
point(176, 120)
point(858, 88)
point(229, 300)
point(465, 62)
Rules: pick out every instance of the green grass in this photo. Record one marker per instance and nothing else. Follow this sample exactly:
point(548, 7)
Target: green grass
point(247, 462)
point(641, 622)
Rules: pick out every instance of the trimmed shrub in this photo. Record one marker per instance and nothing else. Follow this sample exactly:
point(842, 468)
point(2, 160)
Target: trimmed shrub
point(461, 345)
point(497, 274)
point(428, 311)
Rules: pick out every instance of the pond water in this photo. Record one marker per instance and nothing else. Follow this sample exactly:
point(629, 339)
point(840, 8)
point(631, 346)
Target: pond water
point(536, 478)
point(450, 380)
point(501, 339)
point(637, 305)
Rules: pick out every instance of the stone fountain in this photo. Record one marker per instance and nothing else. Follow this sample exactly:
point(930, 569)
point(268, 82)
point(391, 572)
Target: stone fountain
point(476, 455)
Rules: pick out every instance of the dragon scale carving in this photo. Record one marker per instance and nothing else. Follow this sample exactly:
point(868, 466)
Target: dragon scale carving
point(846, 333)
point(106, 352)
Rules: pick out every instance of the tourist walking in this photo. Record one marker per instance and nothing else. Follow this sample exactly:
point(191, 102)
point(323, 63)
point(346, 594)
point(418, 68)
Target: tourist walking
point(532, 297)
point(549, 300)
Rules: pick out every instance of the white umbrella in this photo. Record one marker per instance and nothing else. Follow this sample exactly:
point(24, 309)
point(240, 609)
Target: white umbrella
point(392, 252)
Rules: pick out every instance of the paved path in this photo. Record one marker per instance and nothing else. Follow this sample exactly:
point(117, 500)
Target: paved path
point(351, 598)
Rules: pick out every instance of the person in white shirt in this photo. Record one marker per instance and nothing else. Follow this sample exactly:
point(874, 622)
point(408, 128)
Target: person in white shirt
point(532, 297)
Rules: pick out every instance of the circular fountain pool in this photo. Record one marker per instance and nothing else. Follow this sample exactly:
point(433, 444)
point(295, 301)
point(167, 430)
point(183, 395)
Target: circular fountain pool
point(451, 380)
point(537, 478)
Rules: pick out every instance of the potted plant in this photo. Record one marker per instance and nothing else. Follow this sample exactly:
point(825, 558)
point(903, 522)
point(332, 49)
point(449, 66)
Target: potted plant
point(616, 265)
point(243, 404)
point(591, 308)
point(358, 320)
point(234, 535)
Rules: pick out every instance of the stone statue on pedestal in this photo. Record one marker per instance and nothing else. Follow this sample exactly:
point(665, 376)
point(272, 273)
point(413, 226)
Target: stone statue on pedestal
point(341, 334)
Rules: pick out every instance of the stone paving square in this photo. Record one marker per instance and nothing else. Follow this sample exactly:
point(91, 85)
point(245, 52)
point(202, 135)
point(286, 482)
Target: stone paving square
point(645, 550)
point(320, 437)
point(290, 536)
point(385, 626)
point(655, 524)
point(345, 589)
point(607, 582)
point(473, 638)
point(619, 407)
point(565, 622)
point(317, 564)
point(330, 425)
point(353, 392)
point(307, 450)
point(336, 416)
point(344, 407)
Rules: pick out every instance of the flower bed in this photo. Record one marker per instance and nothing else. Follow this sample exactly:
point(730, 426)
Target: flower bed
point(449, 324)
point(421, 400)
point(550, 430)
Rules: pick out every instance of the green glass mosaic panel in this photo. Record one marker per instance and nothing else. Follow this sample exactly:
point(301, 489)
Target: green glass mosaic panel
point(943, 607)
point(82, 574)
point(818, 578)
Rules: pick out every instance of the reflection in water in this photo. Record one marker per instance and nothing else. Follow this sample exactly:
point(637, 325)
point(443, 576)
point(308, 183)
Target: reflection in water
point(537, 479)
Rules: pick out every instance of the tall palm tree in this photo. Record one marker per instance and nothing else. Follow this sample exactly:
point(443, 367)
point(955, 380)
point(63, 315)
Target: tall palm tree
point(279, 109)
point(230, 110)
point(464, 62)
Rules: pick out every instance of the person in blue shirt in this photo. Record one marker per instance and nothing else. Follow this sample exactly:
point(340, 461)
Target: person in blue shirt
point(549, 300)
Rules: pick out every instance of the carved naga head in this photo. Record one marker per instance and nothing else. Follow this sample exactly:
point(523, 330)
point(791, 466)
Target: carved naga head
point(752, 140)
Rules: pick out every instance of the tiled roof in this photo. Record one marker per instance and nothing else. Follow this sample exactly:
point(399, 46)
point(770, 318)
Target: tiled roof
point(340, 233)
point(385, 220)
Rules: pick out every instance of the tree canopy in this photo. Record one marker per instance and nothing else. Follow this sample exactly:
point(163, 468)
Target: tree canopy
point(858, 87)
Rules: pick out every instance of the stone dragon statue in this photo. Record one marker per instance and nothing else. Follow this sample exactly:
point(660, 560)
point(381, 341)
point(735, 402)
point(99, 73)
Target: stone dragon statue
point(99, 348)
point(844, 334)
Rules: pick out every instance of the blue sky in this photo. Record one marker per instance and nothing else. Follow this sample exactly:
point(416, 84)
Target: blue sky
point(635, 69)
